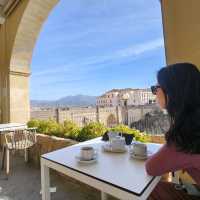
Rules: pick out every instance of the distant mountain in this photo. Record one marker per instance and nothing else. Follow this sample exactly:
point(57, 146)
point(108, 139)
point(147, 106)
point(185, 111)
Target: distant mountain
point(77, 100)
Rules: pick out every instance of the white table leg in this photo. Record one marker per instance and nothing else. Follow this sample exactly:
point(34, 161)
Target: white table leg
point(45, 182)
point(7, 161)
point(104, 196)
point(26, 155)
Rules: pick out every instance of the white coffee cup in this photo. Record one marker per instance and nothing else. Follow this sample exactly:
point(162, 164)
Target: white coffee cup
point(117, 143)
point(87, 153)
point(112, 135)
point(139, 149)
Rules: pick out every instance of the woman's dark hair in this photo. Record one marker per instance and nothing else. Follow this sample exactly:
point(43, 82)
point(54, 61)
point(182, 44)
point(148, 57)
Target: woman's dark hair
point(181, 85)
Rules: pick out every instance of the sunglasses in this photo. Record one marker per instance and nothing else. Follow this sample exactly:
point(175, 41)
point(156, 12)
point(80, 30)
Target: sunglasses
point(154, 89)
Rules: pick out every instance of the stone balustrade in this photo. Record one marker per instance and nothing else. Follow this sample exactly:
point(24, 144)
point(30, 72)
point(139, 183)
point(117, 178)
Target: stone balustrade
point(45, 144)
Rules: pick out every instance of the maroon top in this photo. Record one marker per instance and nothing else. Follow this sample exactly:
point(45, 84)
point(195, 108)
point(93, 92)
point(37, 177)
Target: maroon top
point(168, 159)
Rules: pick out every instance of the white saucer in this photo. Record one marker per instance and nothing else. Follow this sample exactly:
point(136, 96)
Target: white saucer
point(108, 148)
point(141, 157)
point(81, 160)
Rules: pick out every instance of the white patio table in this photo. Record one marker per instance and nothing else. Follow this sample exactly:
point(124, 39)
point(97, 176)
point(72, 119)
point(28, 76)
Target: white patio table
point(114, 173)
point(11, 127)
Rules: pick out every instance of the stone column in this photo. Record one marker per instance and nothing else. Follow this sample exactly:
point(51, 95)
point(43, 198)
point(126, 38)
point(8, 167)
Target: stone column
point(14, 83)
point(97, 113)
point(14, 97)
point(19, 97)
point(4, 78)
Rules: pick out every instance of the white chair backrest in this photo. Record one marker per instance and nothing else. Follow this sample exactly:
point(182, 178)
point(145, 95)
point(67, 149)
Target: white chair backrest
point(21, 139)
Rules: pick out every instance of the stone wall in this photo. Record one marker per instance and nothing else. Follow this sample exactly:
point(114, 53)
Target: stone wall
point(44, 114)
point(80, 115)
point(47, 144)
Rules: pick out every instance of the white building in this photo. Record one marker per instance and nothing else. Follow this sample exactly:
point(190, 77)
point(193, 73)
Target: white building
point(110, 98)
point(132, 97)
point(141, 97)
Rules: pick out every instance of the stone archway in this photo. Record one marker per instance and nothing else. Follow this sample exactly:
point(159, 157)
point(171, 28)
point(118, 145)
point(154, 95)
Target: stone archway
point(111, 120)
point(18, 36)
point(20, 30)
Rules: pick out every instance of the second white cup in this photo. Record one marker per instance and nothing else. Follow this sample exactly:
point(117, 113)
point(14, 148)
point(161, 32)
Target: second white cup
point(87, 153)
point(139, 149)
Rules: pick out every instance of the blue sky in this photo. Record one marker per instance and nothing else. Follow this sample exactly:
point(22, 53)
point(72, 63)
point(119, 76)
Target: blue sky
point(90, 46)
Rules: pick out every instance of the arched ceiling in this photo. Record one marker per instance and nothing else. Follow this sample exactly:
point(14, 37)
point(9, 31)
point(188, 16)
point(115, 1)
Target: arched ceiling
point(6, 7)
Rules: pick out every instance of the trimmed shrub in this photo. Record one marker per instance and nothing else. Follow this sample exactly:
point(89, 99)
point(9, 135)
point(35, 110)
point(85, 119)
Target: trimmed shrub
point(33, 123)
point(138, 136)
point(71, 130)
point(91, 130)
point(123, 129)
point(49, 127)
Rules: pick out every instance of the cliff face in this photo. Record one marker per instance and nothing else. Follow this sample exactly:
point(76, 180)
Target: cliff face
point(155, 122)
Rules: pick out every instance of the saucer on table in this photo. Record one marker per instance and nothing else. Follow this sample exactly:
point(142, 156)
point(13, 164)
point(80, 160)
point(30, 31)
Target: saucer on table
point(109, 148)
point(141, 157)
point(82, 160)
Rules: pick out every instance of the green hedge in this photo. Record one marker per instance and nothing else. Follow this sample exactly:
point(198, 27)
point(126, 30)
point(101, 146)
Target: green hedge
point(92, 130)
point(71, 130)
point(139, 136)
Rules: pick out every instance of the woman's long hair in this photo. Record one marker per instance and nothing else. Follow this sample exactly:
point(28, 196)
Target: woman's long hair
point(181, 85)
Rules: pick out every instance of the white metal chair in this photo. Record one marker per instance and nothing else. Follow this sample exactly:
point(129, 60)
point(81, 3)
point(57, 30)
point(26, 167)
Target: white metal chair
point(18, 140)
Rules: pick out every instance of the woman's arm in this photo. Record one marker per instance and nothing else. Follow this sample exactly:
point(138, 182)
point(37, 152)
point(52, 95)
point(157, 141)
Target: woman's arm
point(167, 159)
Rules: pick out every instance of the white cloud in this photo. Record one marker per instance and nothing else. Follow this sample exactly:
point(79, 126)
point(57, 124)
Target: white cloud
point(88, 64)
point(141, 48)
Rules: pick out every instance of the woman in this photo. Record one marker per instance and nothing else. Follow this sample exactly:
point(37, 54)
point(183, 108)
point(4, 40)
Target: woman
point(178, 91)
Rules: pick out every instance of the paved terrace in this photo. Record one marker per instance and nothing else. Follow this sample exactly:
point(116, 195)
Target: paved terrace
point(24, 184)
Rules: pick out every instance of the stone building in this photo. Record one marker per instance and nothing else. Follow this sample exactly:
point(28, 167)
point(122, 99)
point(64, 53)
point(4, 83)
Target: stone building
point(79, 115)
point(44, 113)
point(140, 97)
point(134, 97)
point(109, 116)
point(110, 98)
point(136, 113)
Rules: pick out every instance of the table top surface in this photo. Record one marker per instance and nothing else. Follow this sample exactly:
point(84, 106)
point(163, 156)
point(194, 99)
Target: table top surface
point(116, 169)
point(4, 127)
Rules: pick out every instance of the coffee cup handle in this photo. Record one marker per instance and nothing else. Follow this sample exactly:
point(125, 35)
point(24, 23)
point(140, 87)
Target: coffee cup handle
point(131, 148)
point(95, 151)
point(131, 145)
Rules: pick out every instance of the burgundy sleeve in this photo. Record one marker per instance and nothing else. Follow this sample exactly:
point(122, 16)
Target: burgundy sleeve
point(167, 159)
